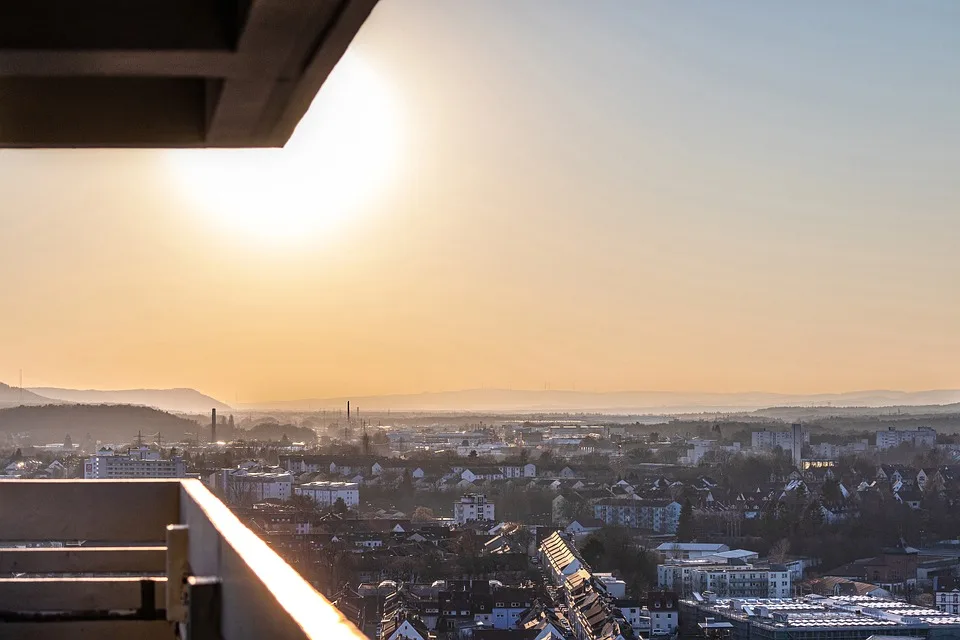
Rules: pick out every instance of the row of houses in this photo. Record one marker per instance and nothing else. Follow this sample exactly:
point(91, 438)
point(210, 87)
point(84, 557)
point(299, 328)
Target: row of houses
point(596, 606)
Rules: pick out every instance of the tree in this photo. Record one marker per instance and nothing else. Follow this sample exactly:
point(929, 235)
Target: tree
point(422, 514)
point(340, 507)
point(366, 443)
point(473, 454)
point(524, 456)
point(778, 552)
point(831, 491)
point(406, 484)
point(18, 455)
point(685, 528)
point(302, 503)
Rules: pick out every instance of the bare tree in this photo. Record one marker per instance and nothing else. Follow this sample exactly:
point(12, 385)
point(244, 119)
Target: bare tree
point(779, 551)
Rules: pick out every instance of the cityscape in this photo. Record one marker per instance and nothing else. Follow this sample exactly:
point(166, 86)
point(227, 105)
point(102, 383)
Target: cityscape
point(580, 527)
point(479, 320)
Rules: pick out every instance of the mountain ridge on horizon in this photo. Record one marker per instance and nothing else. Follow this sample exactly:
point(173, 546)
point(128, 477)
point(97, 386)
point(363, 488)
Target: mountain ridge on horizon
point(572, 400)
point(177, 400)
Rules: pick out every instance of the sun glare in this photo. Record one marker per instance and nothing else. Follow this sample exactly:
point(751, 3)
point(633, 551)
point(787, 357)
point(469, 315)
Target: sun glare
point(343, 151)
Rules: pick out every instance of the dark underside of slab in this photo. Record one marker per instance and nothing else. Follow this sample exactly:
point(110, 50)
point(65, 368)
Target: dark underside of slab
point(166, 73)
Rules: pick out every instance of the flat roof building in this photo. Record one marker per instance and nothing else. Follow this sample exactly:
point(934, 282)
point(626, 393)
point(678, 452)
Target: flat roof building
point(817, 618)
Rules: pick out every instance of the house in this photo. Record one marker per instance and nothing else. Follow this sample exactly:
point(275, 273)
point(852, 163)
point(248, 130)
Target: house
point(411, 628)
point(481, 473)
point(834, 586)
point(663, 612)
point(583, 525)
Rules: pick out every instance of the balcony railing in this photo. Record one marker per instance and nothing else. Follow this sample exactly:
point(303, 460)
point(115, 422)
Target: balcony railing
point(145, 559)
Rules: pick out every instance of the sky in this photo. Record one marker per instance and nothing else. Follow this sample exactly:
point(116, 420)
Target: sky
point(609, 195)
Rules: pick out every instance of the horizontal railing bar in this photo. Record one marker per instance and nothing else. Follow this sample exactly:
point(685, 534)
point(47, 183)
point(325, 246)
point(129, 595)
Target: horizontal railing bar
point(80, 594)
point(110, 511)
point(49, 617)
point(88, 630)
point(83, 560)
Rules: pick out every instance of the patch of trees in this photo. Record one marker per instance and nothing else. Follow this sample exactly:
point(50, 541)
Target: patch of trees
point(613, 549)
point(273, 431)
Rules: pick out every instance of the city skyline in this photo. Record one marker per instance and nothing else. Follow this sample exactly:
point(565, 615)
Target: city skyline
point(643, 197)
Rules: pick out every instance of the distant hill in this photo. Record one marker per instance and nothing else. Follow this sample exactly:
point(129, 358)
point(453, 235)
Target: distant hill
point(12, 397)
point(621, 401)
point(109, 423)
point(176, 400)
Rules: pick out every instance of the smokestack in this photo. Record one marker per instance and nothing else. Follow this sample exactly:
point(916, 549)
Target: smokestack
point(213, 426)
point(348, 411)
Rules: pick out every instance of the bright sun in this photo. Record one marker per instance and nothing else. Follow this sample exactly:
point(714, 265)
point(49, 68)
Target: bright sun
point(342, 152)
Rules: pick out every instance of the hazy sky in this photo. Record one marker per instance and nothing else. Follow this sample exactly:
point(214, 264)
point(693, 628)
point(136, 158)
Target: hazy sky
point(604, 195)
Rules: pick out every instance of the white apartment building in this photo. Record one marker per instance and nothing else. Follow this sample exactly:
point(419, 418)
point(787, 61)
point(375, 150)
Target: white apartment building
point(137, 463)
point(326, 494)
point(726, 580)
point(528, 470)
point(697, 449)
point(242, 487)
point(473, 506)
point(920, 437)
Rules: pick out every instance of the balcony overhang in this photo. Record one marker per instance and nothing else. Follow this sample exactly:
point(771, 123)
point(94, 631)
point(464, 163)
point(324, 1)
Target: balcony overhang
point(166, 73)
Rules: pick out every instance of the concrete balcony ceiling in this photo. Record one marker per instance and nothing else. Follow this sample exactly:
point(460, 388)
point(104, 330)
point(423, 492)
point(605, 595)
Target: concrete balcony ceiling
point(166, 73)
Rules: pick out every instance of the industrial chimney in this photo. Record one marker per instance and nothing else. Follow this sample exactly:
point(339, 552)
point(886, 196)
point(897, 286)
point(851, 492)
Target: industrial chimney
point(213, 426)
point(348, 411)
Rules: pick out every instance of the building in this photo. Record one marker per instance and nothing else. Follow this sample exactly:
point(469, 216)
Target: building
point(698, 449)
point(690, 550)
point(245, 488)
point(663, 610)
point(920, 437)
point(816, 618)
point(792, 441)
point(138, 463)
point(326, 494)
point(948, 601)
point(528, 470)
point(732, 579)
point(471, 507)
point(658, 516)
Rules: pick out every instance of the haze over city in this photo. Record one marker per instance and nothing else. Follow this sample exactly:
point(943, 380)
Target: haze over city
point(693, 197)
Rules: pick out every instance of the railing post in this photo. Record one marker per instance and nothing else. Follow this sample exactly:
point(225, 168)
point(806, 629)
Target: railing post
point(204, 603)
point(178, 569)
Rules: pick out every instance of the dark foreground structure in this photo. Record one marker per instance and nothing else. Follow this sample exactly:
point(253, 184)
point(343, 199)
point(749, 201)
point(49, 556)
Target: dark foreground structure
point(166, 73)
point(145, 559)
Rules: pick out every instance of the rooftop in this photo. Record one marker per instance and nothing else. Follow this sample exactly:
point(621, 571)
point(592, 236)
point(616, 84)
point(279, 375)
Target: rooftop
point(814, 612)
